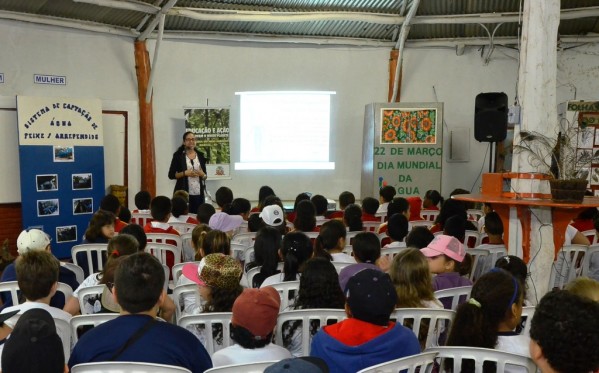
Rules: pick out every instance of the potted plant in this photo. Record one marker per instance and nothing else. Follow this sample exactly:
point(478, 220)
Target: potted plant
point(564, 157)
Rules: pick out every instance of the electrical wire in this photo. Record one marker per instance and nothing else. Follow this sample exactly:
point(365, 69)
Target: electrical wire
point(481, 169)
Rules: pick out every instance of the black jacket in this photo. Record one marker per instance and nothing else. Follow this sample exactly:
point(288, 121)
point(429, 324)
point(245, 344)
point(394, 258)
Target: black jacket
point(178, 164)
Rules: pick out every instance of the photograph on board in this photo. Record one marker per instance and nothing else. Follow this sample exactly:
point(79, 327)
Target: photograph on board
point(46, 183)
point(82, 181)
point(83, 206)
point(64, 154)
point(66, 234)
point(48, 207)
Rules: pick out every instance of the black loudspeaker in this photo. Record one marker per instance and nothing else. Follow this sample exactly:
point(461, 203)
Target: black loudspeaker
point(490, 117)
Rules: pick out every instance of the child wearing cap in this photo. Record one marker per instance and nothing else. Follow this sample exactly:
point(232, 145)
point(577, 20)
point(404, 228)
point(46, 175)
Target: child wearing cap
point(253, 321)
point(367, 337)
point(217, 277)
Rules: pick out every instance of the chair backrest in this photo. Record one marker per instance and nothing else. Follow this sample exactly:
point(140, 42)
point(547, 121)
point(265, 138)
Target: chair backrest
point(382, 216)
point(471, 239)
point(246, 238)
point(88, 320)
point(527, 314)
point(187, 252)
point(85, 293)
point(439, 320)
point(63, 329)
point(429, 214)
point(91, 251)
point(126, 366)
point(392, 251)
point(590, 264)
point(591, 234)
point(167, 238)
point(419, 223)
point(177, 270)
point(238, 250)
point(182, 227)
point(179, 292)
point(207, 322)
point(349, 250)
point(245, 368)
point(77, 270)
point(320, 222)
point(340, 265)
point(412, 364)
point(349, 236)
point(480, 356)
point(65, 289)
point(160, 250)
point(306, 318)
point(474, 214)
point(11, 287)
point(249, 255)
point(458, 295)
point(479, 262)
point(141, 218)
point(567, 266)
point(287, 290)
point(252, 272)
point(371, 226)
point(312, 235)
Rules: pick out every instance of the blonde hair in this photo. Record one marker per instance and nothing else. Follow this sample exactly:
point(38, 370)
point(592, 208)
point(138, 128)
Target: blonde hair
point(197, 237)
point(182, 194)
point(585, 287)
point(412, 279)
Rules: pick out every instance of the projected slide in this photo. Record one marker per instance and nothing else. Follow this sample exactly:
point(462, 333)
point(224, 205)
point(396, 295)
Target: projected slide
point(284, 130)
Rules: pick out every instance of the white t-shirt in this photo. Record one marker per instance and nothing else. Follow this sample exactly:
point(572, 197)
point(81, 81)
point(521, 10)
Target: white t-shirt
point(515, 344)
point(236, 354)
point(343, 258)
point(382, 208)
point(393, 245)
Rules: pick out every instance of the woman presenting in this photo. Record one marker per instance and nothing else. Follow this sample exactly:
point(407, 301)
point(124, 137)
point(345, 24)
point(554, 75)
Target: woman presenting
point(188, 167)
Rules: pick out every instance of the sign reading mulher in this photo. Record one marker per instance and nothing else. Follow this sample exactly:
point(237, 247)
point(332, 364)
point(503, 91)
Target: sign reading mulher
point(49, 79)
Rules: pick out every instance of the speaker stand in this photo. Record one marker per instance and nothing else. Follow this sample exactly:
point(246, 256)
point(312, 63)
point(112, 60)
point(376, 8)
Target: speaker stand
point(491, 157)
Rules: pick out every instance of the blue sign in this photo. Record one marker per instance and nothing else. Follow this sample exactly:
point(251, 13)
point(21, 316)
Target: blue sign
point(49, 79)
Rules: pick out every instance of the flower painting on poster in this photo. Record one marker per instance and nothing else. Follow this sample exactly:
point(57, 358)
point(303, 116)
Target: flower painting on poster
point(409, 126)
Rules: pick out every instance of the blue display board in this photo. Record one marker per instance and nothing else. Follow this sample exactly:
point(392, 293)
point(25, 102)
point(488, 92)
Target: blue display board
point(61, 157)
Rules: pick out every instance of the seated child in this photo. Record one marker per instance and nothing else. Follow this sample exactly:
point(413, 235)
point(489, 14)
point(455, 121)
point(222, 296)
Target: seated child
point(397, 230)
point(345, 199)
point(369, 207)
point(432, 200)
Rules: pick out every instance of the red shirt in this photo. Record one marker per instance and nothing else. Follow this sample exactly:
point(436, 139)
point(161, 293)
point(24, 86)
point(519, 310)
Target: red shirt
point(368, 217)
point(118, 225)
point(354, 332)
point(335, 215)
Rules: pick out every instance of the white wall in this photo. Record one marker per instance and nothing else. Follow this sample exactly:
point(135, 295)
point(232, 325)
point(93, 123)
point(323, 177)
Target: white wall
point(190, 73)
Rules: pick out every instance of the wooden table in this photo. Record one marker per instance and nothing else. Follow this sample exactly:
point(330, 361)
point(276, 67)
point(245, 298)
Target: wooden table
point(562, 214)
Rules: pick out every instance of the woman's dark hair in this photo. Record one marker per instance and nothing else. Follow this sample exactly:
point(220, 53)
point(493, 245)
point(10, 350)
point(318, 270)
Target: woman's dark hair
point(352, 217)
point(320, 204)
point(246, 339)
point(221, 300)
point(179, 207)
point(187, 133)
point(238, 206)
point(476, 322)
point(319, 286)
point(297, 248)
point(450, 208)
point(434, 196)
point(98, 220)
point(142, 200)
point(366, 247)
point(464, 267)
point(328, 238)
point(264, 192)
point(300, 197)
point(419, 237)
point(516, 267)
point(397, 227)
point(345, 199)
point(266, 250)
point(493, 223)
point(455, 226)
point(138, 232)
point(305, 216)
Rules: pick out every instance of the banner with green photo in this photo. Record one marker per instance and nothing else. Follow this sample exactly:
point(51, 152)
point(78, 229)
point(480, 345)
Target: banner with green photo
point(211, 129)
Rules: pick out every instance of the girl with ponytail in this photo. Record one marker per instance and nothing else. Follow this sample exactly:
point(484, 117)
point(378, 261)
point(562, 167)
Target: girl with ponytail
point(331, 241)
point(296, 250)
point(489, 317)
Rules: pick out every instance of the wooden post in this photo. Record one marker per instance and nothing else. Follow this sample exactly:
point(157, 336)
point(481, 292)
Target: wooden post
point(394, 56)
point(146, 120)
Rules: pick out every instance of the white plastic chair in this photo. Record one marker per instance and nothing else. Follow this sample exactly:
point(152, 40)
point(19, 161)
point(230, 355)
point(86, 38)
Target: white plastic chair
point(438, 321)
point(182, 227)
point(245, 368)
point(165, 238)
point(141, 218)
point(568, 265)
point(349, 236)
point(382, 216)
point(98, 250)
point(417, 363)
point(590, 263)
point(371, 226)
point(238, 250)
point(479, 262)
point(319, 223)
point(88, 320)
point(429, 214)
point(591, 234)
point(340, 265)
point(208, 321)
point(246, 238)
point(392, 251)
point(12, 287)
point(87, 292)
point(179, 293)
point(323, 316)
point(527, 314)
point(312, 235)
point(187, 252)
point(77, 270)
point(65, 289)
point(63, 329)
point(458, 295)
point(474, 214)
point(284, 289)
point(480, 356)
point(126, 367)
point(471, 239)
point(254, 271)
point(349, 250)
point(160, 250)
point(248, 255)
point(419, 223)
point(177, 270)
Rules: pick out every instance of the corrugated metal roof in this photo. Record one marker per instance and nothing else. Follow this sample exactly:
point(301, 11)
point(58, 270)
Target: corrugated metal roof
point(356, 19)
